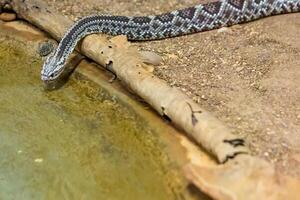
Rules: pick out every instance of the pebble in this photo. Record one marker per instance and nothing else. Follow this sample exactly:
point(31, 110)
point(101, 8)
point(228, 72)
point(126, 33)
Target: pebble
point(285, 145)
point(7, 17)
point(203, 97)
point(38, 160)
point(45, 48)
point(172, 56)
point(7, 6)
point(224, 30)
point(238, 69)
point(266, 154)
point(164, 66)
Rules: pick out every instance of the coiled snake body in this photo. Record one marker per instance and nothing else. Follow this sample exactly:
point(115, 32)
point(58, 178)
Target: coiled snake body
point(180, 22)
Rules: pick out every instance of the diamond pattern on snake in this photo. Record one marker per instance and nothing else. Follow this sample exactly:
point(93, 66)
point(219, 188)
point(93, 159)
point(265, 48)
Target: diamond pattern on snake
point(190, 20)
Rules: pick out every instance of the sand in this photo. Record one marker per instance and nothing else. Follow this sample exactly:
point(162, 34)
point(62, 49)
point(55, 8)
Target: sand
point(247, 75)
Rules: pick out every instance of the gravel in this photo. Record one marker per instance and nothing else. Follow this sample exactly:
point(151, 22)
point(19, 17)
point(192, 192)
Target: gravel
point(247, 75)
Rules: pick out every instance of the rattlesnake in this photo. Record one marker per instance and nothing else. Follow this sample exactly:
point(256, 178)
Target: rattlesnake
point(198, 18)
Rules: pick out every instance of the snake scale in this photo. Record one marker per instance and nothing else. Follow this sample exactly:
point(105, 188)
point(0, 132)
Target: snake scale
point(194, 19)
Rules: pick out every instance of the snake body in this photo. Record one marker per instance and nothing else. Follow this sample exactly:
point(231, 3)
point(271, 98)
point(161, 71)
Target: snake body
point(198, 18)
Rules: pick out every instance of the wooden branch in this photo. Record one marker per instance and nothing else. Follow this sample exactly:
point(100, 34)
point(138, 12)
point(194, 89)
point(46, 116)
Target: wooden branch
point(125, 61)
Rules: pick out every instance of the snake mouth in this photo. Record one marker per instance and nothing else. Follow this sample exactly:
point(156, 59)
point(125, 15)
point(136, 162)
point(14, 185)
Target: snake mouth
point(44, 77)
point(52, 76)
point(49, 78)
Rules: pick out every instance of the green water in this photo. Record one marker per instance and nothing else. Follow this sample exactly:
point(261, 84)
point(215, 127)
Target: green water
point(73, 143)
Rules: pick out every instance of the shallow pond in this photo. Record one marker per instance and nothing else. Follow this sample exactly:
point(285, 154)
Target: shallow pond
point(75, 142)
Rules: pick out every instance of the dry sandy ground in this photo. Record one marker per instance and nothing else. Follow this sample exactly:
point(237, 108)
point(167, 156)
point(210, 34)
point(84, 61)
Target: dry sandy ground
point(248, 75)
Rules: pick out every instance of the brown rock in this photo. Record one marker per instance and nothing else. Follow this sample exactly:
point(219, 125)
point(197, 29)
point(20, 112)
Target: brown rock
point(8, 17)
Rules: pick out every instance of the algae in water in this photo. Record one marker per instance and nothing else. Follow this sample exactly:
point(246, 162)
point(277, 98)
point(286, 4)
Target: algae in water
point(74, 143)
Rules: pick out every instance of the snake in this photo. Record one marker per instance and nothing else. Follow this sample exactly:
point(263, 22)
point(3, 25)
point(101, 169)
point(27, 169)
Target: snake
point(198, 18)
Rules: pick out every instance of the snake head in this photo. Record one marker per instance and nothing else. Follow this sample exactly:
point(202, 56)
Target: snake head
point(51, 68)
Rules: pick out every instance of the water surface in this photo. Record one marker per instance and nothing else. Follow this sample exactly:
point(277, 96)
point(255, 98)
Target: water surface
point(73, 143)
